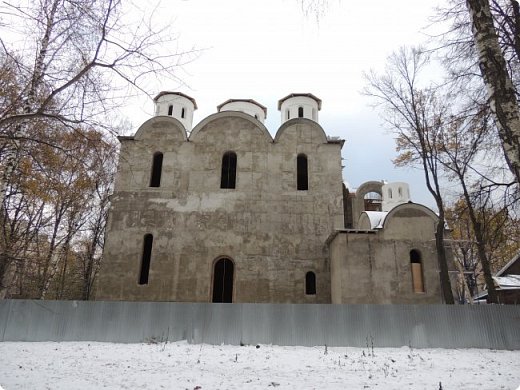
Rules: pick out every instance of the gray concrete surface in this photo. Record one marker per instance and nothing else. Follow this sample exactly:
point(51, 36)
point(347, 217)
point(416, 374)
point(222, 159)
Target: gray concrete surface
point(417, 326)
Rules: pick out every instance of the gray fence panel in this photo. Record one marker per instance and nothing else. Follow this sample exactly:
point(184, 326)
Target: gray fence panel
point(418, 326)
point(5, 310)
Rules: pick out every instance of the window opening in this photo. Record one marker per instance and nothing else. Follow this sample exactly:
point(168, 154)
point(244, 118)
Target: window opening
point(229, 170)
point(155, 180)
point(170, 110)
point(390, 193)
point(288, 114)
point(373, 202)
point(300, 112)
point(183, 112)
point(223, 281)
point(146, 259)
point(417, 272)
point(310, 283)
point(302, 173)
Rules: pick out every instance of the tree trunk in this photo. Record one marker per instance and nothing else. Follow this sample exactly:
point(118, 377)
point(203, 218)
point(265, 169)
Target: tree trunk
point(447, 294)
point(501, 92)
point(51, 259)
point(481, 246)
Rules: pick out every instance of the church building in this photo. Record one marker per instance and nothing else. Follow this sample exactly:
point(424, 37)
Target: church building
point(224, 212)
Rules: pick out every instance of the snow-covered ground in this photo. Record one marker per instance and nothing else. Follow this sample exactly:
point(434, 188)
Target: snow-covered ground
point(82, 365)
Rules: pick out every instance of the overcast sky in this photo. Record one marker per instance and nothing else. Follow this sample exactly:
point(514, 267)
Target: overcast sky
point(266, 49)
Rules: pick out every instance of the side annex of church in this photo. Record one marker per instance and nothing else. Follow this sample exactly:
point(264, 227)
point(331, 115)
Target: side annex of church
point(224, 212)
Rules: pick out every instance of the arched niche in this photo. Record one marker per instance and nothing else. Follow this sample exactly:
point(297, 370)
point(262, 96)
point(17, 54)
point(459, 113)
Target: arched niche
point(161, 127)
point(318, 134)
point(203, 125)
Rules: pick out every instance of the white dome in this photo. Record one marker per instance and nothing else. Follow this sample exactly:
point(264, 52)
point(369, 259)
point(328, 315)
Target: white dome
point(176, 105)
point(299, 105)
point(248, 106)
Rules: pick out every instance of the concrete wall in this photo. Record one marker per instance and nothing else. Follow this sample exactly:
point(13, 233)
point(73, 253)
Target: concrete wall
point(273, 233)
point(417, 326)
point(373, 266)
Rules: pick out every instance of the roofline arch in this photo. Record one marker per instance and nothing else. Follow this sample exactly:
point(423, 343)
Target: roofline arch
point(369, 186)
point(428, 211)
point(161, 118)
point(374, 216)
point(296, 121)
point(237, 114)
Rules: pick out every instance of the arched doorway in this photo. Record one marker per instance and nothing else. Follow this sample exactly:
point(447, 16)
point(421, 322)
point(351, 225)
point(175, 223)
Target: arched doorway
point(223, 281)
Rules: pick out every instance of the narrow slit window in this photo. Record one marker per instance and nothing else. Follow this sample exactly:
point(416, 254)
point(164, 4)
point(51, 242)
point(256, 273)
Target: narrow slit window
point(170, 110)
point(155, 180)
point(302, 173)
point(310, 283)
point(390, 193)
point(146, 259)
point(300, 112)
point(417, 271)
point(288, 113)
point(183, 113)
point(229, 170)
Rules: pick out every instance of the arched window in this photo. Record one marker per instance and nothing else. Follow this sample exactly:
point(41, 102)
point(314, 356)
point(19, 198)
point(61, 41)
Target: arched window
point(390, 193)
point(400, 192)
point(417, 272)
point(288, 114)
point(300, 112)
point(229, 170)
point(310, 283)
point(155, 179)
point(145, 259)
point(302, 173)
point(256, 116)
point(170, 110)
point(183, 112)
point(223, 281)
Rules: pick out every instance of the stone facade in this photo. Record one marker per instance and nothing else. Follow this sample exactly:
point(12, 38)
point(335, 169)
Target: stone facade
point(373, 265)
point(284, 244)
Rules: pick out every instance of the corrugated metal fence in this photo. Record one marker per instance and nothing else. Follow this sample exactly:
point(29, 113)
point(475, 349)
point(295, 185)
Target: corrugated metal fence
point(418, 326)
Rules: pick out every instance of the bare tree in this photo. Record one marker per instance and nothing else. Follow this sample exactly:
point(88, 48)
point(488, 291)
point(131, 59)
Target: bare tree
point(65, 66)
point(462, 145)
point(69, 63)
point(415, 115)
